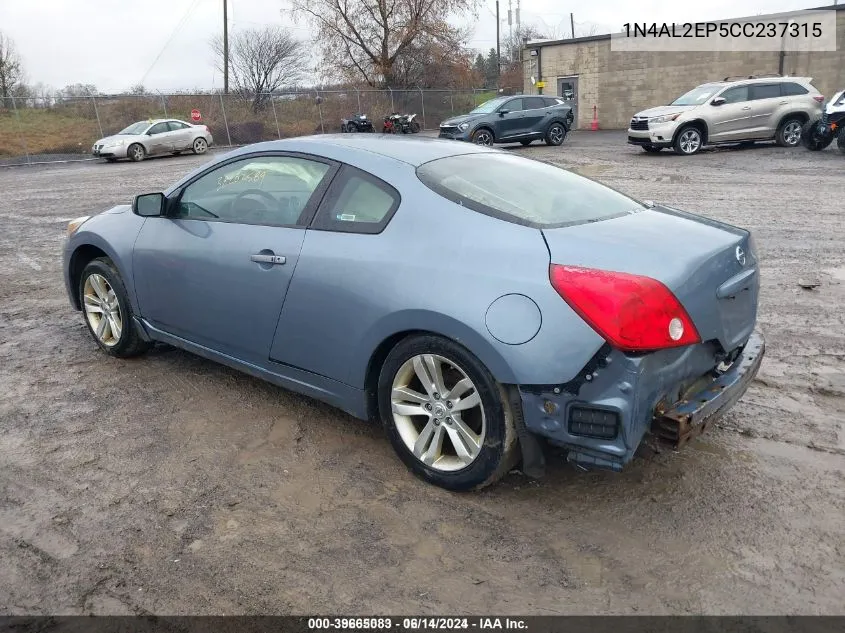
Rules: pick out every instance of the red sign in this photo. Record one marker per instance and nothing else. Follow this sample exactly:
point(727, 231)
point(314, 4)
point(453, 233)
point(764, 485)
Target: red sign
point(195, 115)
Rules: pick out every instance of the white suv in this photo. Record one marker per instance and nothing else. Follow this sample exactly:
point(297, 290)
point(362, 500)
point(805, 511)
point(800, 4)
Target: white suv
point(730, 111)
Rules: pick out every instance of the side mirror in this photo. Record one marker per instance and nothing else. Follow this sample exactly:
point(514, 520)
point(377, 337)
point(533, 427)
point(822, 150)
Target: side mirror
point(149, 205)
point(503, 112)
point(718, 101)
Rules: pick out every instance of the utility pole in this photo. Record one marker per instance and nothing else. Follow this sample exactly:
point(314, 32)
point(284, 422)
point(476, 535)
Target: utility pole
point(225, 47)
point(498, 48)
point(572, 25)
point(510, 33)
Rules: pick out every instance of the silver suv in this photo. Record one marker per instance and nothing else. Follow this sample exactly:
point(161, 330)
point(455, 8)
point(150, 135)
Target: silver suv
point(730, 111)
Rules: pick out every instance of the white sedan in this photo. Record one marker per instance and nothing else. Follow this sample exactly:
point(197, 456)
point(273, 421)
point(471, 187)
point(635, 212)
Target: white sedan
point(159, 136)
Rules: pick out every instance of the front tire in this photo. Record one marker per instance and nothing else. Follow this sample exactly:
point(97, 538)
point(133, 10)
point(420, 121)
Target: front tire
point(555, 135)
point(840, 140)
point(445, 415)
point(688, 141)
point(136, 153)
point(789, 133)
point(108, 313)
point(483, 137)
point(200, 146)
point(415, 127)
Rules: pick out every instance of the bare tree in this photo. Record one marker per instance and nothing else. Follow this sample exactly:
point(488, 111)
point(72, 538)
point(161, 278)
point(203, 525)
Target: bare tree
point(11, 71)
point(262, 61)
point(364, 39)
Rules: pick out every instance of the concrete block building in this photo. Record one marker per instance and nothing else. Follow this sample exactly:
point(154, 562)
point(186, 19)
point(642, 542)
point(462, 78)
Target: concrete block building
point(620, 84)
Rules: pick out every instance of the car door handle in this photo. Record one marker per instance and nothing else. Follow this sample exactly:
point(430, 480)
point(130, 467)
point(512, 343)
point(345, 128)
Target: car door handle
point(783, 102)
point(747, 108)
point(277, 260)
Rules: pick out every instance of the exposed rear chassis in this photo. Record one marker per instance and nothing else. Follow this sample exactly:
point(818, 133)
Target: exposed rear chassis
point(692, 416)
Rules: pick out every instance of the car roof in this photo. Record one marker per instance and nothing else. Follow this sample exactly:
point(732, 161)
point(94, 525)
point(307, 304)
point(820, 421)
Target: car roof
point(759, 80)
point(414, 150)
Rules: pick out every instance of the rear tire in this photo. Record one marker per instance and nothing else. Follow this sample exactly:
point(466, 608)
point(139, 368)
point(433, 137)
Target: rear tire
point(840, 140)
point(200, 146)
point(351, 128)
point(136, 153)
point(483, 431)
point(688, 141)
point(789, 132)
point(107, 311)
point(555, 135)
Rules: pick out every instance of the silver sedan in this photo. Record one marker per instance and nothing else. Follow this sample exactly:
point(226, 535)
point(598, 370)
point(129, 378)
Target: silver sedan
point(159, 136)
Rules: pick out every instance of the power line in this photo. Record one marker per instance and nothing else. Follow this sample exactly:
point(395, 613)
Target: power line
point(170, 39)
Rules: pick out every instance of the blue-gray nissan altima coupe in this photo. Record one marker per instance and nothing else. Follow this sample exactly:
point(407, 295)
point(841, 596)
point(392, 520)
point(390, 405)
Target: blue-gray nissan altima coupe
point(477, 303)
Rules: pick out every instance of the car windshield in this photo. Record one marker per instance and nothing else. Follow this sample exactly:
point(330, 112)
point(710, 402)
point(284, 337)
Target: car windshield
point(523, 191)
point(696, 96)
point(136, 128)
point(489, 106)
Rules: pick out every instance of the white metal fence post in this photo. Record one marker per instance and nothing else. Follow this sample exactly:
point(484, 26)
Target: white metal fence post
point(97, 113)
point(20, 130)
point(422, 101)
point(320, 110)
point(225, 122)
point(278, 129)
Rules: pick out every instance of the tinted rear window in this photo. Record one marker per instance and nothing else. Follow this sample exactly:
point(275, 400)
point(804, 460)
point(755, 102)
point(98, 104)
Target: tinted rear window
point(764, 91)
point(791, 89)
point(533, 103)
point(523, 191)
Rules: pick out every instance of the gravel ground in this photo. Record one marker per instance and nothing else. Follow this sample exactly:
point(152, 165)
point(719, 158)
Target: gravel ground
point(171, 485)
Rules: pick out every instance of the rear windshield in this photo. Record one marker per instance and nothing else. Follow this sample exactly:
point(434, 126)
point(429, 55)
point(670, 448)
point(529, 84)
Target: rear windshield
point(523, 191)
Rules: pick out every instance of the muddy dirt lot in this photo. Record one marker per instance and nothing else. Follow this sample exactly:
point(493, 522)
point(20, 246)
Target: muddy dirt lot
point(171, 485)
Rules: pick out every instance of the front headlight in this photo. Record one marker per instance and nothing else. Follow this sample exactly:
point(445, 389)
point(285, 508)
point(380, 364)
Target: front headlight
point(463, 127)
point(666, 118)
point(116, 143)
point(74, 224)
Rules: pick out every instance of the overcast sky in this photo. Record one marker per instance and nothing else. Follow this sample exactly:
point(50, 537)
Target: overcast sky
point(115, 44)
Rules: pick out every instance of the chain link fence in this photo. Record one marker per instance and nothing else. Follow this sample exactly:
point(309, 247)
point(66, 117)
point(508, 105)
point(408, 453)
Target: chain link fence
point(37, 130)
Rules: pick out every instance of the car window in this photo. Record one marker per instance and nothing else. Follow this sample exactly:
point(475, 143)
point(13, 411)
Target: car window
point(358, 202)
point(697, 96)
point(176, 125)
point(505, 186)
point(533, 103)
point(514, 105)
point(271, 190)
point(765, 91)
point(790, 89)
point(158, 128)
point(551, 101)
point(735, 95)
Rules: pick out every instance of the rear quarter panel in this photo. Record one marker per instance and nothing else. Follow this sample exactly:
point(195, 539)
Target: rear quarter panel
point(437, 267)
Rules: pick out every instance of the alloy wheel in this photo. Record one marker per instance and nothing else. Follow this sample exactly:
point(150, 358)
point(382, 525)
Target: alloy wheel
point(102, 309)
point(690, 141)
point(792, 133)
point(438, 412)
point(556, 135)
point(483, 137)
point(136, 152)
point(200, 146)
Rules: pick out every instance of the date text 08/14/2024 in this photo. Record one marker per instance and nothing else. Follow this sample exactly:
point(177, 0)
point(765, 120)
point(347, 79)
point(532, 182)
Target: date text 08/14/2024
point(723, 29)
point(417, 624)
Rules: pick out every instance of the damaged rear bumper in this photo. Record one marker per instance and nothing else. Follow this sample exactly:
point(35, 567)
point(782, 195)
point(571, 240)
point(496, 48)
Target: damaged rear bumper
point(602, 415)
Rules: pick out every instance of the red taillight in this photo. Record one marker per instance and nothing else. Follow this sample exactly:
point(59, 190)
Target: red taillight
point(633, 313)
point(819, 98)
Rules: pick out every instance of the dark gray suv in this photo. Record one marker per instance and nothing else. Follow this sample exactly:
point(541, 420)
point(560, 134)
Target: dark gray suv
point(519, 119)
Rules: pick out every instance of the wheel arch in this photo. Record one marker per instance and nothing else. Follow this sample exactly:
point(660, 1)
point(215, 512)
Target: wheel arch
point(422, 323)
point(798, 114)
point(701, 124)
point(79, 259)
point(484, 126)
